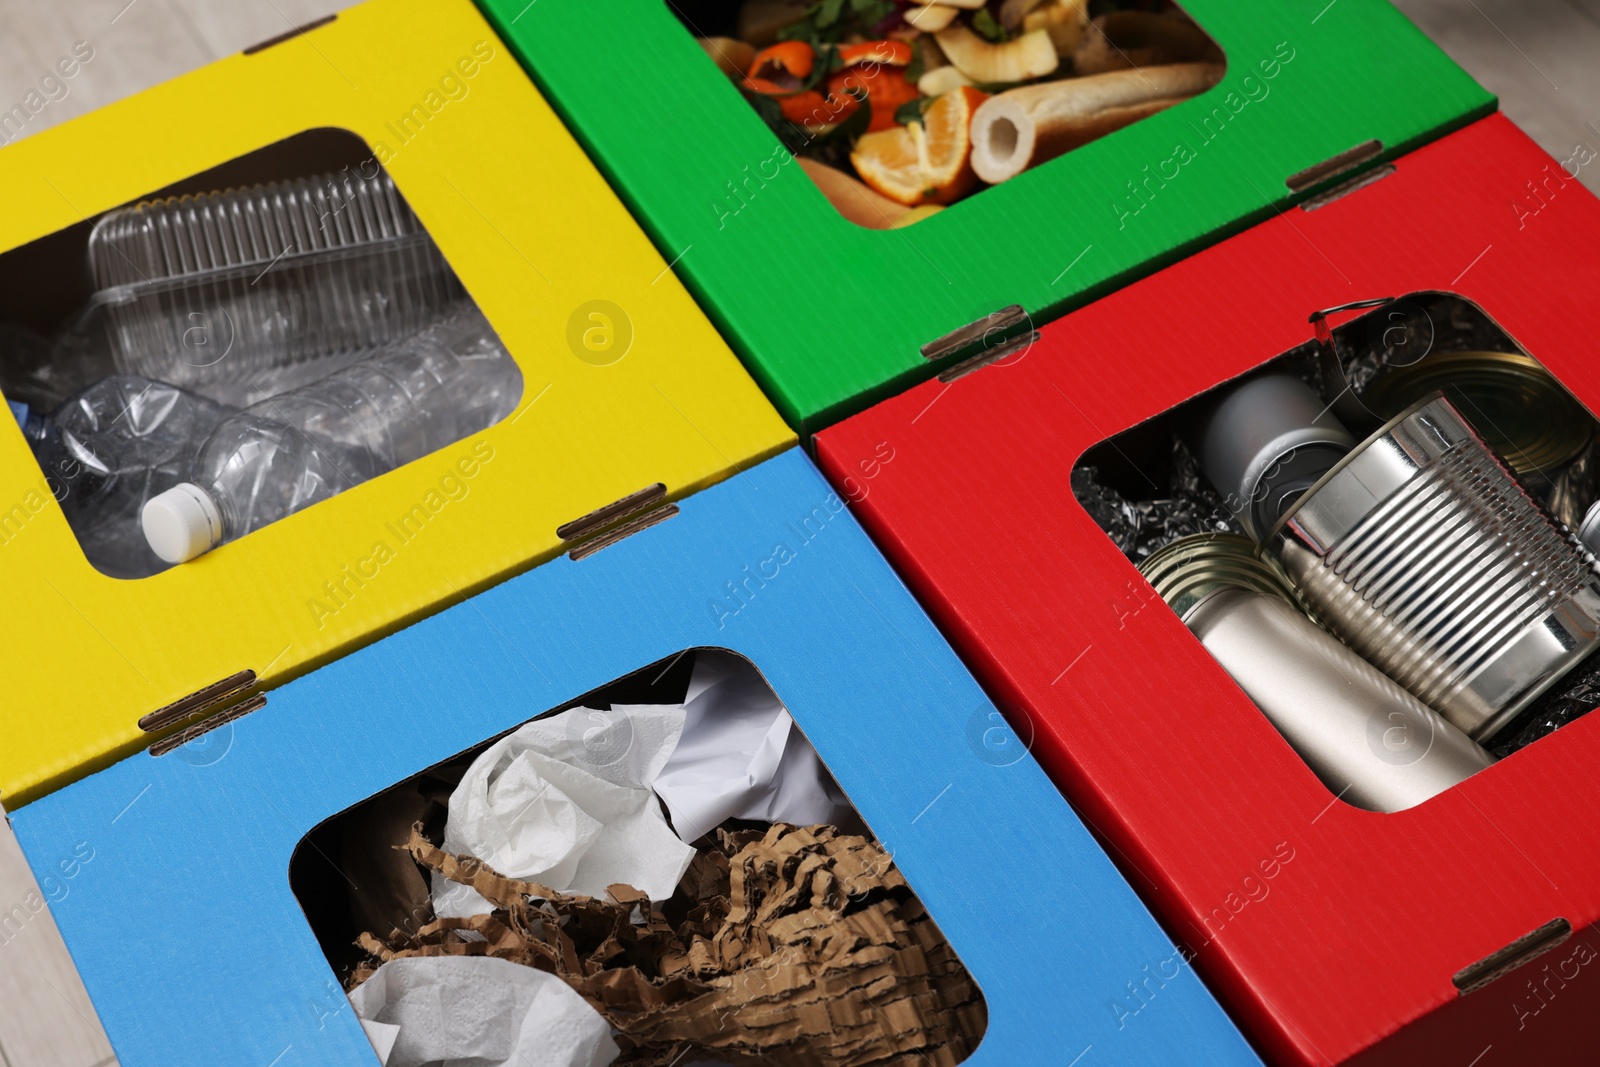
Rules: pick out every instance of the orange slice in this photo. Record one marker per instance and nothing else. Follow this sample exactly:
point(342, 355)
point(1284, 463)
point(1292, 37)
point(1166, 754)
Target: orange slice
point(947, 145)
point(890, 162)
point(927, 162)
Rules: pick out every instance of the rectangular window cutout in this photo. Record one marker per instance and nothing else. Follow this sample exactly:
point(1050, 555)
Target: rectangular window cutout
point(219, 354)
point(663, 870)
point(1380, 537)
point(897, 112)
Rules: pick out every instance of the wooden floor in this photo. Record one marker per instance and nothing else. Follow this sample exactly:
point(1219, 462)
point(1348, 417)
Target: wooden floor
point(1541, 57)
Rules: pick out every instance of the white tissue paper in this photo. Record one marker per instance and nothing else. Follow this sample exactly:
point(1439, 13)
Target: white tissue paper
point(742, 757)
point(566, 801)
point(478, 1011)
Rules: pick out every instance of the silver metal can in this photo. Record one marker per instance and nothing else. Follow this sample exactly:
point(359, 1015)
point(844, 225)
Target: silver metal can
point(1426, 555)
point(1264, 441)
point(1371, 743)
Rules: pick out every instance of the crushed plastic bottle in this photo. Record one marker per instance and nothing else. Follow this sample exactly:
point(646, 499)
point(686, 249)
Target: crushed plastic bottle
point(109, 450)
point(42, 375)
point(411, 397)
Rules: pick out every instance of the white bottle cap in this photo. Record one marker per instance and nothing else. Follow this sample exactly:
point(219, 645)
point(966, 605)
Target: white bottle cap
point(181, 523)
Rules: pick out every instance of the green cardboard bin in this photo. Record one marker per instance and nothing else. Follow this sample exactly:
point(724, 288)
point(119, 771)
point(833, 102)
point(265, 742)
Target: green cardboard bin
point(831, 317)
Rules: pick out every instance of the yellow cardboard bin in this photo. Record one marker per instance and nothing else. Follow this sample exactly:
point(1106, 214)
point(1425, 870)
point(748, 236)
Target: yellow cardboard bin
point(645, 393)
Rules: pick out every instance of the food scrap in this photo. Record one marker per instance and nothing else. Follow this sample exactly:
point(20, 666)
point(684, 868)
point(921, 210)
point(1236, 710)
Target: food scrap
point(899, 108)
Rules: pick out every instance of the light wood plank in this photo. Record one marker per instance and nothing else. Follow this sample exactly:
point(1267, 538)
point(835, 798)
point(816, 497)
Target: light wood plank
point(1541, 57)
point(136, 43)
point(234, 26)
point(46, 1019)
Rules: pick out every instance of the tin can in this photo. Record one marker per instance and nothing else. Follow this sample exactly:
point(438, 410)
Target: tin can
point(1425, 554)
point(1518, 408)
point(1371, 742)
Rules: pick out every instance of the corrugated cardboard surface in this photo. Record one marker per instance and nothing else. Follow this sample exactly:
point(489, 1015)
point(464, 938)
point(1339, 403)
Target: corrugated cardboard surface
point(533, 232)
point(195, 951)
point(830, 316)
point(1357, 937)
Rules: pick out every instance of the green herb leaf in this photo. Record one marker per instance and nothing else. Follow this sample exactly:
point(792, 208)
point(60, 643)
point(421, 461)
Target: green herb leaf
point(915, 69)
point(856, 125)
point(984, 24)
point(828, 59)
point(769, 110)
point(800, 31)
point(911, 110)
point(844, 134)
point(828, 12)
point(871, 12)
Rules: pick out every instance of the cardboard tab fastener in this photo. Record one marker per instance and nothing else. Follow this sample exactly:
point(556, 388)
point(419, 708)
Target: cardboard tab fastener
point(198, 701)
point(1344, 189)
point(582, 527)
point(973, 332)
point(983, 359)
point(627, 529)
point(1333, 166)
point(1502, 961)
point(222, 718)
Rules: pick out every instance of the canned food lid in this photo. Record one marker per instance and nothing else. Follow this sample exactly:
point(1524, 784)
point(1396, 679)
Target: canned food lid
point(1186, 571)
point(1517, 407)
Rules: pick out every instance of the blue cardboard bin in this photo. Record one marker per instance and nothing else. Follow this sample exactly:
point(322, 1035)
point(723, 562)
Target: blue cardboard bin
point(196, 951)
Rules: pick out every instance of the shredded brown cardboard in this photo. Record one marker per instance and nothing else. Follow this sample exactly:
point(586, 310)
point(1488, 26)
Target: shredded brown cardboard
point(796, 947)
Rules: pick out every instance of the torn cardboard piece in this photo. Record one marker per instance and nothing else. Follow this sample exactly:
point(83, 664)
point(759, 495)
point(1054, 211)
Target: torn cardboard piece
point(794, 947)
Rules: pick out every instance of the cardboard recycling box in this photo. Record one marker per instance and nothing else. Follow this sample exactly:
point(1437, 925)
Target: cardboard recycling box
point(195, 950)
point(831, 317)
point(426, 92)
point(1458, 931)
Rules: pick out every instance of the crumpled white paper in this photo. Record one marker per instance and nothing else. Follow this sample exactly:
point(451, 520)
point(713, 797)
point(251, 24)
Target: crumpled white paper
point(478, 1011)
point(741, 756)
point(566, 801)
point(382, 1035)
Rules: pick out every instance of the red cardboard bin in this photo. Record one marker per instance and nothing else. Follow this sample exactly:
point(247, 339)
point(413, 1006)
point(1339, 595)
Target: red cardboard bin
point(1461, 931)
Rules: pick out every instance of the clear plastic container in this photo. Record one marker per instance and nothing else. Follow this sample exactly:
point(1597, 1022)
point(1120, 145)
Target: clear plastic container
point(410, 398)
point(243, 294)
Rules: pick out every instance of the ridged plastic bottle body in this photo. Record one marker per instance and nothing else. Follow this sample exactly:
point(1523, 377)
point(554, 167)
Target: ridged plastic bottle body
point(108, 450)
point(410, 398)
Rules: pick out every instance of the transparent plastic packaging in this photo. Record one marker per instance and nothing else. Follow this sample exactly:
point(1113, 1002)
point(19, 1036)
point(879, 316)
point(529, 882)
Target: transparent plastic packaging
point(412, 397)
point(28, 374)
point(243, 294)
point(106, 452)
